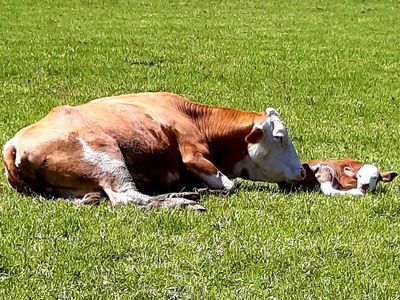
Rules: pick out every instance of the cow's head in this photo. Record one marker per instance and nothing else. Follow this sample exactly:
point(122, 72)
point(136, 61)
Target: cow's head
point(271, 152)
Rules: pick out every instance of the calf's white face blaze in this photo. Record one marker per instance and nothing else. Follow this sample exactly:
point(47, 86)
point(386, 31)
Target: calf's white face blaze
point(271, 152)
point(367, 177)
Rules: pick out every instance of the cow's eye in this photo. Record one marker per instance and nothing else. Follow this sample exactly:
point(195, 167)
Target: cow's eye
point(279, 139)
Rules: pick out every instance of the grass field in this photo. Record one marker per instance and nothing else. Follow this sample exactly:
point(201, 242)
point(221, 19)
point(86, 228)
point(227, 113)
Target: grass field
point(332, 69)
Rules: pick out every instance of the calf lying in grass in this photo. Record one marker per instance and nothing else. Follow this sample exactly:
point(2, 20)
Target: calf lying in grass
point(341, 177)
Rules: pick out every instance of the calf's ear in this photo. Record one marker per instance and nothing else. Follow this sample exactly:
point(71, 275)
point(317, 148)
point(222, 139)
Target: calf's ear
point(254, 136)
point(388, 176)
point(349, 172)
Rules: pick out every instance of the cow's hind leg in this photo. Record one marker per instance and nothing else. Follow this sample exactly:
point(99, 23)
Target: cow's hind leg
point(114, 178)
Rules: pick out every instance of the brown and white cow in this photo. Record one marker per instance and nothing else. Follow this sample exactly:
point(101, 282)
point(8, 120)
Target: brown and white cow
point(346, 176)
point(127, 146)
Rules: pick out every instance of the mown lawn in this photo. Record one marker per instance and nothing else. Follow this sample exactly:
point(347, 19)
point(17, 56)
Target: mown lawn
point(332, 69)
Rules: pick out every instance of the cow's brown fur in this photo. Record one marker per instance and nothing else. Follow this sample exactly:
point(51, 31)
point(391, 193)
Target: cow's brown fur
point(163, 140)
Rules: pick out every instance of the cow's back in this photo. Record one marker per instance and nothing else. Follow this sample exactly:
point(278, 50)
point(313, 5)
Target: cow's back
point(164, 108)
point(148, 143)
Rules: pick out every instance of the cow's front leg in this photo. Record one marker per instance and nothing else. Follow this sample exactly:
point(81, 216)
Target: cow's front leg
point(208, 173)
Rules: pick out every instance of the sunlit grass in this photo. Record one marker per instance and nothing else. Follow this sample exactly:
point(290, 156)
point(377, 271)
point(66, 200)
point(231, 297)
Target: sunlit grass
point(331, 69)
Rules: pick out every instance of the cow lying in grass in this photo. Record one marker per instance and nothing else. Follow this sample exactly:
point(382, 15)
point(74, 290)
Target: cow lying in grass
point(341, 177)
point(127, 147)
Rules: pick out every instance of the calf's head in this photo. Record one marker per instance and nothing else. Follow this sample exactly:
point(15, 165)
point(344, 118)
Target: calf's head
point(368, 177)
point(272, 155)
point(350, 174)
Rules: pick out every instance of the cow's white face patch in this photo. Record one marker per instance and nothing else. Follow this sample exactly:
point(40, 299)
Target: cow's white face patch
point(272, 156)
point(367, 177)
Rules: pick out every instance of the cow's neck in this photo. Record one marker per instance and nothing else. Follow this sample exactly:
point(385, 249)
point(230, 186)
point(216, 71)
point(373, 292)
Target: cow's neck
point(225, 131)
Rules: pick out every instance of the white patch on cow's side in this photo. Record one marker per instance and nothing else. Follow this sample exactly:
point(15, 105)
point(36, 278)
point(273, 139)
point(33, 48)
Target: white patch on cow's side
point(117, 182)
point(368, 175)
point(101, 159)
point(17, 158)
point(108, 165)
point(9, 144)
point(218, 181)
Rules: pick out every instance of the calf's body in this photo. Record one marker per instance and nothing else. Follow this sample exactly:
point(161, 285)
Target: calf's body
point(347, 177)
point(127, 146)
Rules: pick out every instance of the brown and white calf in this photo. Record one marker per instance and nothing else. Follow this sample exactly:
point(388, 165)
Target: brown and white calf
point(128, 146)
point(342, 177)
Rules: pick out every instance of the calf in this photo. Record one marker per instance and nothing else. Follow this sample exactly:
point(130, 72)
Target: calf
point(128, 146)
point(348, 177)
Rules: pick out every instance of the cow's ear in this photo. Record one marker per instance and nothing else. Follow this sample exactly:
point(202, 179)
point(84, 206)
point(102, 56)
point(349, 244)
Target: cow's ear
point(388, 176)
point(349, 172)
point(254, 136)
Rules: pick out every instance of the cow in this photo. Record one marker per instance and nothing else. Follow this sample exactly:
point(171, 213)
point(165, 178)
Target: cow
point(345, 176)
point(130, 147)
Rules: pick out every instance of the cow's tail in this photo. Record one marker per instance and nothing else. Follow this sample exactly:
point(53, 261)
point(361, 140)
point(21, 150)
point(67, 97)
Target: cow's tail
point(12, 172)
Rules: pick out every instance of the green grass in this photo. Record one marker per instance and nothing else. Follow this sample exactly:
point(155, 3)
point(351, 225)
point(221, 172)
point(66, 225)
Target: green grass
point(331, 69)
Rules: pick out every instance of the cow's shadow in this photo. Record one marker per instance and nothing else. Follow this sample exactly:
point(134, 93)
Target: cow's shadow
point(275, 188)
point(248, 186)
